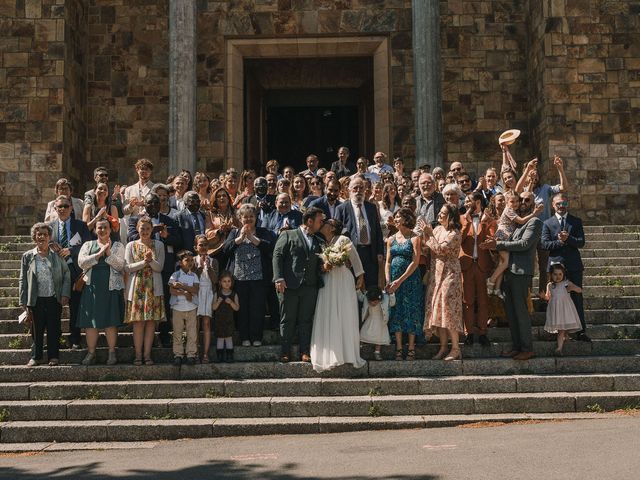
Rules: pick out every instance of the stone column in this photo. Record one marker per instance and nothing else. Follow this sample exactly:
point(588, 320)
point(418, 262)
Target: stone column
point(182, 85)
point(427, 83)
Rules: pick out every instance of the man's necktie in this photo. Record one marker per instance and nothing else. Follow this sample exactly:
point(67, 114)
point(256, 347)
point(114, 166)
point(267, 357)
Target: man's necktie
point(562, 225)
point(363, 234)
point(196, 224)
point(64, 239)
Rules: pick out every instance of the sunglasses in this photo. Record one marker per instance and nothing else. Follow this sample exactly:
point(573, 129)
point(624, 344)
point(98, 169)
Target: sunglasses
point(63, 206)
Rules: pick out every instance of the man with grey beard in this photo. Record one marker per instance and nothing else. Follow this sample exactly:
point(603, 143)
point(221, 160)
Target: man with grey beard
point(362, 223)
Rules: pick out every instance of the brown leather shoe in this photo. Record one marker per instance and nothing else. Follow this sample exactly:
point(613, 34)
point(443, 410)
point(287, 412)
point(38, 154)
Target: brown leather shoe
point(305, 358)
point(524, 356)
point(284, 359)
point(510, 354)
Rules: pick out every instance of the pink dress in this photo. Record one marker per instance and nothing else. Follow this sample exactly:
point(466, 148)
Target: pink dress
point(443, 303)
point(506, 224)
point(561, 312)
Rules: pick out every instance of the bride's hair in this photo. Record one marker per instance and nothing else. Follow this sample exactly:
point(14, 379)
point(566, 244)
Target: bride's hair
point(336, 225)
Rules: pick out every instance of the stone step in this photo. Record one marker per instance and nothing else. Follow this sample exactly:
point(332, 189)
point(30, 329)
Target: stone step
point(606, 281)
point(611, 229)
point(271, 353)
point(599, 237)
point(386, 369)
point(604, 271)
point(17, 341)
point(55, 435)
point(609, 252)
point(314, 406)
point(294, 387)
point(611, 262)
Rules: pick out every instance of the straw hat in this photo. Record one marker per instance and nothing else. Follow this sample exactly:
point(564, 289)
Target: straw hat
point(508, 137)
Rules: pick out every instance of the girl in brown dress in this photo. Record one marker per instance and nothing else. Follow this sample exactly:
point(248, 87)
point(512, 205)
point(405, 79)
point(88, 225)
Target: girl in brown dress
point(225, 303)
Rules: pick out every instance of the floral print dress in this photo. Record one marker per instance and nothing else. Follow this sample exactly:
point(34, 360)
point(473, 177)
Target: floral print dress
point(145, 305)
point(443, 303)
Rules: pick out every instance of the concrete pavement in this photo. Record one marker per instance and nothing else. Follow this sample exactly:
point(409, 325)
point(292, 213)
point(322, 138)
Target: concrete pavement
point(584, 450)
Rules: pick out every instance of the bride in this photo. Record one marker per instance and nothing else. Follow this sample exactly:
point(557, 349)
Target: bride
point(335, 339)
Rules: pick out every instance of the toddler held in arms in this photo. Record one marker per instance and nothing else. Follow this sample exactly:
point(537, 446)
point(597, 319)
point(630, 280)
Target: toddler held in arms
point(509, 221)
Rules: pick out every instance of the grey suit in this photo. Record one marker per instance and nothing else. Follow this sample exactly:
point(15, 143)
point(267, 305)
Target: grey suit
point(522, 247)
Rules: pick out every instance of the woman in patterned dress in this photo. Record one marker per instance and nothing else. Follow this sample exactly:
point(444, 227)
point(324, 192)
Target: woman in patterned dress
point(145, 301)
point(403, 279)
point(443, 303)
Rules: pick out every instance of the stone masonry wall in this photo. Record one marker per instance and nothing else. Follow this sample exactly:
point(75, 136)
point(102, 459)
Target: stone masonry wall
point(274, 18)
point(484, 74)
point(128, 87)
point(590, 93)
point(32, 52)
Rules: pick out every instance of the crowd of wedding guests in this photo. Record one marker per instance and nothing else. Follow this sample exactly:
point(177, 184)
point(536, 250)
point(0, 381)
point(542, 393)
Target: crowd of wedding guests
point(440, 253)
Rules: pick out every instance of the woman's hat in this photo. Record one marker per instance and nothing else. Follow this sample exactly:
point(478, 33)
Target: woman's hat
point(508, 137)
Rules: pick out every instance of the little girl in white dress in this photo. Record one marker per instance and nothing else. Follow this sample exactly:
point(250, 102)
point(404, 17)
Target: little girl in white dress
point(375, 315)
point(207, 271)
point(562, 316)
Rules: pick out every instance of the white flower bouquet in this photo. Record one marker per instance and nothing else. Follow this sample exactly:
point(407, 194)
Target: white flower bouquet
point(336, 255)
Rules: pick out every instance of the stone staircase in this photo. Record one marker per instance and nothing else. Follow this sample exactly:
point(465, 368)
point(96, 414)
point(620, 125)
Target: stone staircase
point(256, 395)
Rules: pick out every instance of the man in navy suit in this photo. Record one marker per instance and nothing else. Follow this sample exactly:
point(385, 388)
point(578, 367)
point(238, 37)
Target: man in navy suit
point(283, 217)
point(361, 221)
point(329, 202)
point(165, 229)
point(563, 236)
point(68, 236)
point(191, 220)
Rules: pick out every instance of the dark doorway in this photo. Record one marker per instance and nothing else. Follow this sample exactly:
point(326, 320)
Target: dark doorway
point(294, 107)
point(295, 132)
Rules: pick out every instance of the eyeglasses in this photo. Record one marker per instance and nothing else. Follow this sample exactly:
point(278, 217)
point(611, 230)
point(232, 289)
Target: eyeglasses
point(63, 206)
point(525, 199)
point(562, 204)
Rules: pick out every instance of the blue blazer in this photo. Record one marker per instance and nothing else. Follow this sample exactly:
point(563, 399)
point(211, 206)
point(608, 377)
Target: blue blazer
point(79, 227)
point(185, 223)
point(294, 217)
point(323, 204)
point(346, 215)
point(567, 253)
point(174, 240)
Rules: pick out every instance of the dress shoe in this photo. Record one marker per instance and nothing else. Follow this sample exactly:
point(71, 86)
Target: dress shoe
point(228, 355)
point(177, 361)
point(469, 340)
point(484, 341)
point(75, 346)
point(524, 356)
point(510, 354)
point(284, 358)
point(305, 358)
point(191, 360)
point(583, 337)
point(166, 341)
point(558, 352)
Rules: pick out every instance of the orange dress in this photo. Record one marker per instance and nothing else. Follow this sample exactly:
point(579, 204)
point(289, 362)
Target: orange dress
point(443, 302)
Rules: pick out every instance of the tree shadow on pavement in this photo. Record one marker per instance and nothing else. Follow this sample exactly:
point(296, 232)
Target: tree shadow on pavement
point(211, 470)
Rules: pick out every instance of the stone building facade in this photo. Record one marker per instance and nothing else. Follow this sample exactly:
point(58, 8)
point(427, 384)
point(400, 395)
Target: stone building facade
point(85, 83)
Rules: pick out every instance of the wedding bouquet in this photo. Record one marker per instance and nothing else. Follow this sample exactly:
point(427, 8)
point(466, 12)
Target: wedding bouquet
point(336, 255)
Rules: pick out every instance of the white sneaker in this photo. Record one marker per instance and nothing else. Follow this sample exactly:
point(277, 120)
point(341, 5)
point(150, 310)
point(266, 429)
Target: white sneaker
point(257, 343)
point(246, 343)
point(32, 363)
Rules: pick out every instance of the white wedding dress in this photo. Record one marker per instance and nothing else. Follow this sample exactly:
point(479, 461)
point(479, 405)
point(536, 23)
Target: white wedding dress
point(335, 339)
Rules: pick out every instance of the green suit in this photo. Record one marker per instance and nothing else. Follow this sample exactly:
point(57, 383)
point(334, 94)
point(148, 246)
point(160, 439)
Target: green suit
point(299, 266)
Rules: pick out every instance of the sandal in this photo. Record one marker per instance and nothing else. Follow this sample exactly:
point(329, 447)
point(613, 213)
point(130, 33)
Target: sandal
point(440, 355)
point(411, 355)
point(399, 355)
point(148, 361)
point(205, 359)
point(453, 355)
point(137, 362)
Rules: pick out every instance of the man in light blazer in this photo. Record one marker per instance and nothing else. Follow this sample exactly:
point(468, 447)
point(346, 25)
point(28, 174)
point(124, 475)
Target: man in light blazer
point(517, 278)
point(563, 236)
point(68, 235)
point(362, 223)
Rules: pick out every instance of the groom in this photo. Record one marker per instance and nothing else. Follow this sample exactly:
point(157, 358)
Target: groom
point(296, 273)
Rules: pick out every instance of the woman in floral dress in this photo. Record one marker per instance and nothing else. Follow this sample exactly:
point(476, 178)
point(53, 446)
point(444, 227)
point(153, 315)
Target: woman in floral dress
point(145, 303)
point(443, 302)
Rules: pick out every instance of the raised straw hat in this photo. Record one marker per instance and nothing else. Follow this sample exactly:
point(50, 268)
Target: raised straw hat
point(508, 137)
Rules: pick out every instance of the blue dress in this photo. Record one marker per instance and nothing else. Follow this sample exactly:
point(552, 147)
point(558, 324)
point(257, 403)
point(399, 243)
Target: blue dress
point(408, 313)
